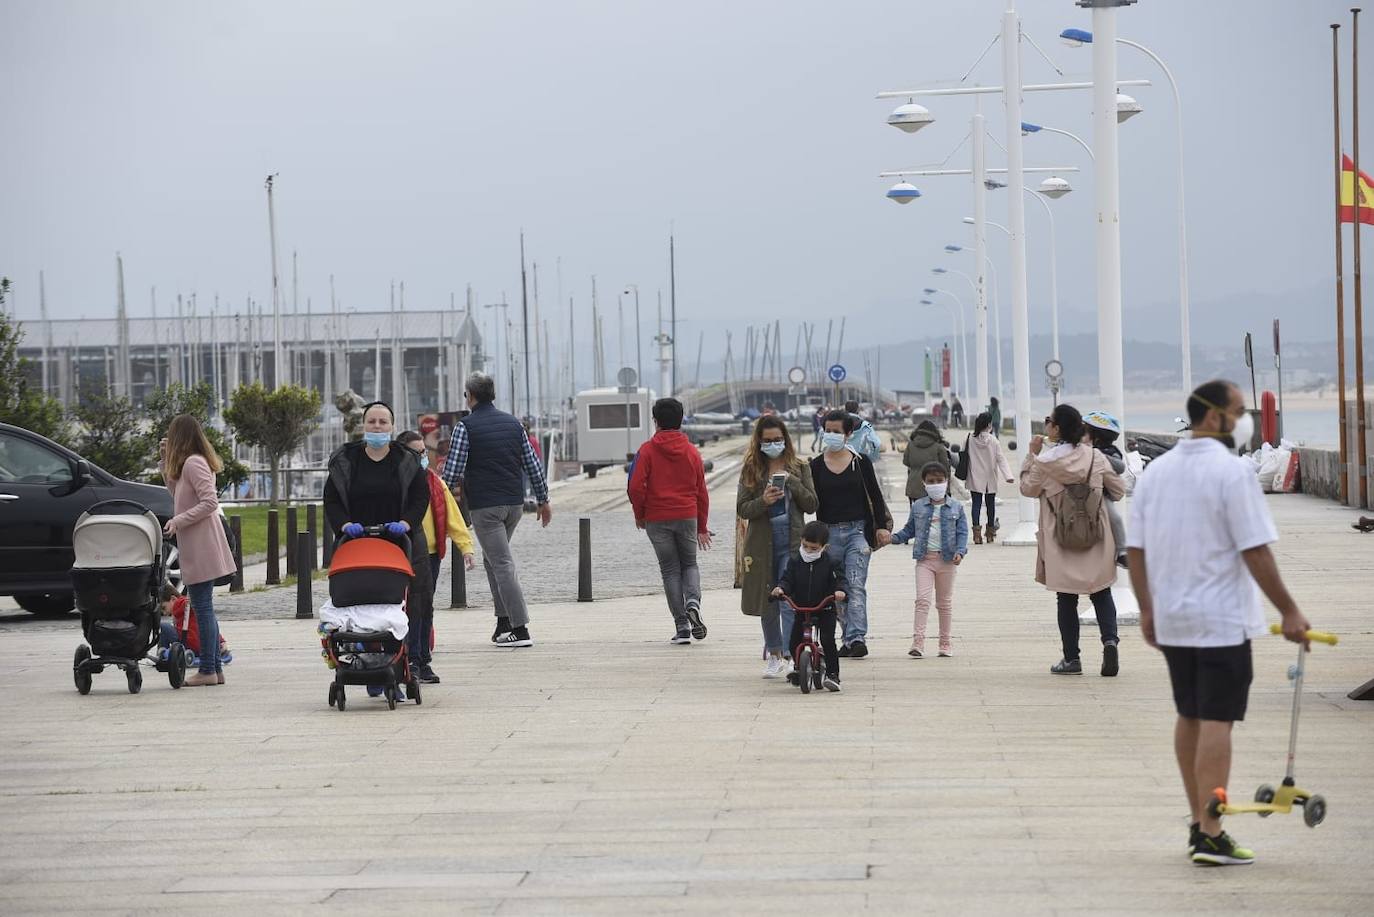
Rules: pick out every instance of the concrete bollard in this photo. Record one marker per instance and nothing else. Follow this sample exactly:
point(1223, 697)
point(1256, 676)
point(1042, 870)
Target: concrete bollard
point(458, 585)
point(584, 559)
point(291, 541)
point(236, 527)
point(273, 549)
point(312, 526)
point(328, 544)
point(305, 602)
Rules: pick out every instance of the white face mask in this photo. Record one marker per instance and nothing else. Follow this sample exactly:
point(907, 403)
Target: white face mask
point(936, 492)
point(833, 442)
point(811, 556)
point(1242, 432)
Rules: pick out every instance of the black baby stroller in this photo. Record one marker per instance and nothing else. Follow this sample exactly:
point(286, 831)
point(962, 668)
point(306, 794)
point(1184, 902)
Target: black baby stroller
point(371, 570)
point(116, 578)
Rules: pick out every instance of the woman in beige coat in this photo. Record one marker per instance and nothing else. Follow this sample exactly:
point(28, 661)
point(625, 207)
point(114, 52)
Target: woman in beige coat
point(1055, 461)
point(189, 464)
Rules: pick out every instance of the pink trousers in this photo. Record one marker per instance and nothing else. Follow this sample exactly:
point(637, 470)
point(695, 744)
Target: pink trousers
point(933, 575)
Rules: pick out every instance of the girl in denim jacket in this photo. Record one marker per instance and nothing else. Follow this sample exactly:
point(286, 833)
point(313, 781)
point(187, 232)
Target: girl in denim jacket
point(938, 531)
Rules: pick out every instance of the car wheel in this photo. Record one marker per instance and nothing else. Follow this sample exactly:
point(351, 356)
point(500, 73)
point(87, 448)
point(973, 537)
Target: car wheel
point(172, 566)
point(46, 603)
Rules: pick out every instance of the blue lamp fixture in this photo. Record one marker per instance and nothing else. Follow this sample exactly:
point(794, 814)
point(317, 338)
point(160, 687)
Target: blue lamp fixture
point(903, 192)
point(1076, 37)
point(954, 248)
point(1028, 128)
point(938, 270)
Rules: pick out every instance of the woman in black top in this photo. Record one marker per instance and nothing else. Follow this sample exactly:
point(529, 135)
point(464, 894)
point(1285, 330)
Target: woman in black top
point(852, 505)
point(379, 482)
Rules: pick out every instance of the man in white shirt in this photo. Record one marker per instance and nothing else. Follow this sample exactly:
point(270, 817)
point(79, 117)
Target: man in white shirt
point(1199, 543)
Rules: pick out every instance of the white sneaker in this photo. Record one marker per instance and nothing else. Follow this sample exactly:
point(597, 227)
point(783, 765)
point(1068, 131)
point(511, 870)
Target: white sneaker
point(774, 669)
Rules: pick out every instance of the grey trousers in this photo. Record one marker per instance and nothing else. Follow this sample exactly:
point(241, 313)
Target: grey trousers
point(494, 526)
point(675, 543)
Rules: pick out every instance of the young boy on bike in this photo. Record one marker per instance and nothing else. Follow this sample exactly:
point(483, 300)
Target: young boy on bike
point(811, 578)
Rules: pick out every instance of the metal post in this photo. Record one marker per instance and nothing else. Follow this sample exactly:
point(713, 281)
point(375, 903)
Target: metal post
point(1361, 434)
point(273, 549)
point(1342, 467)
point(1107, 181)
point(1016, 207)
point(311, 527)
point(290, 538)
point(276, 295)
point(305, 602)
point(458, 584)
point(980, 288)
point(584, 559)
point(236, 527)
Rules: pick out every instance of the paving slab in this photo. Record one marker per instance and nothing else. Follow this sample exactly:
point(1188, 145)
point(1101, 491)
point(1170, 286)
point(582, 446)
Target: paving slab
point(604, 771)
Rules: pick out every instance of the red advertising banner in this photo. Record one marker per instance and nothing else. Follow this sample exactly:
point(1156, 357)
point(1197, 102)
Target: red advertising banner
point(944, 367)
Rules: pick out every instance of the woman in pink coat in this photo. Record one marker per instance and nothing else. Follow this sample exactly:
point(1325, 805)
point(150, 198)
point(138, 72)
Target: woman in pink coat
point(189, 464)
point(1046, 473)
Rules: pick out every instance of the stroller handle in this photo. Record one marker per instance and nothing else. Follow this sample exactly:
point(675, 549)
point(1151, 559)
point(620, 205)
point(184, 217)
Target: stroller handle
point(1316, 636)
point(379, 531)
point(828, 601)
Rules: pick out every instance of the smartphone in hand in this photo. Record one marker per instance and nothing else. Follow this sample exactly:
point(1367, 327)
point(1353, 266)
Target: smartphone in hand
point(778, 480)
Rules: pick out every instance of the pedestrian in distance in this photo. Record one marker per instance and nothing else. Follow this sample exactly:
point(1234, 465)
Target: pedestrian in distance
point(926, 445)
point(810, 577)
point(944, 415)
point(443, 522)
point(1103, 430)
point(1199, 544)
point(956, 412)
point(188, 464)
point(995, 409)
point(775, 493)
point(938, 531)
point(1075, 552)
point(816, 420)
point(986, 466)
point(379, 482)
point(863, 439)
point(850, 501)
point(488, 458)
point(670, 502)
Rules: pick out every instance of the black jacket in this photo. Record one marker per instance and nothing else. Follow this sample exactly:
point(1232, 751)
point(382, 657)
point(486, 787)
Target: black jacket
point(412, 492)
point(808, 584)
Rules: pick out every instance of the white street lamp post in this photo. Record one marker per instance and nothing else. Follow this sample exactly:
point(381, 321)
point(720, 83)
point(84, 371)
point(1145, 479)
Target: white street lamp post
point(963, 335)
point(956, 327)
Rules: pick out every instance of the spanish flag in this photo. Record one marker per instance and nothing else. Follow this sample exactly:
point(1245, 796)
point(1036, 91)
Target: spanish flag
point(1348, 193)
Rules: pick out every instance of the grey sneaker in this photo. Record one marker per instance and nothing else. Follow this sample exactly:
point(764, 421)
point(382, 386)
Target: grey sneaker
point(831, 683)
point(694, 618)
point(520, 636)
point(682, 637)
point(1067, 667)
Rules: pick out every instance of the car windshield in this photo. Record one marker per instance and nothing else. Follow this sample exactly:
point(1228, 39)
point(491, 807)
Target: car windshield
point(23, 461)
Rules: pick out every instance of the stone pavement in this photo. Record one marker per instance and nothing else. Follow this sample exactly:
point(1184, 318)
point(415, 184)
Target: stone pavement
point(606, 771)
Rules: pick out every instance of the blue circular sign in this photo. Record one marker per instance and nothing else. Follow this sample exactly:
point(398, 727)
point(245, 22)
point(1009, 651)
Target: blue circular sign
point(836, 373)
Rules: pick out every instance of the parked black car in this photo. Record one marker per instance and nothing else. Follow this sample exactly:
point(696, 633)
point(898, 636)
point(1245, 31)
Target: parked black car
point(44, 488)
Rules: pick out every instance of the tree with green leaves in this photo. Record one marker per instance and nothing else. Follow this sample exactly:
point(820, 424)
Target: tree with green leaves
point(197, 400)
point(278, 421)
point(20, 402)
point(108, 434)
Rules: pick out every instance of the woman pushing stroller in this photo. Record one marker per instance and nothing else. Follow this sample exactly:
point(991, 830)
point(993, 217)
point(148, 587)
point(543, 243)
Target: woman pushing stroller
point(379, 482)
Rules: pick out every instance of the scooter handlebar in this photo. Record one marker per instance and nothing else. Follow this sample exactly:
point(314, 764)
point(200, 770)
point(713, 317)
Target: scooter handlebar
point(1316, 636)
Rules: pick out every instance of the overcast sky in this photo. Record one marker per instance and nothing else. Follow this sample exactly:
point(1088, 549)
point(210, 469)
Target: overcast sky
point(415, 139)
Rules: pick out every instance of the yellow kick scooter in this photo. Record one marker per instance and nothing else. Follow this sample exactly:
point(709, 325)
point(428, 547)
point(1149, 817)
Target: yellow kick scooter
point(1269, 800)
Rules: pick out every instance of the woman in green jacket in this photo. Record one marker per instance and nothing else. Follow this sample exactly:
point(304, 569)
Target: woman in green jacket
point(775, 517)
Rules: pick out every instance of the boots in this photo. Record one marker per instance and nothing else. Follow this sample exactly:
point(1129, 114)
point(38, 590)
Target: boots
point(977, 535)
point(990, 532)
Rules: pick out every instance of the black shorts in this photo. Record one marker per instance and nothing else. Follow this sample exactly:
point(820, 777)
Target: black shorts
point(1210, 682)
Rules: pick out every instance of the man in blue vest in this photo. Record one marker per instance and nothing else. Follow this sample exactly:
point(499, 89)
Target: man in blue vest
point(489, 457)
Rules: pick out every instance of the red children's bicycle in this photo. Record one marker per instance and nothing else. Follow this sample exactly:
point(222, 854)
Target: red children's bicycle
point(807, 654)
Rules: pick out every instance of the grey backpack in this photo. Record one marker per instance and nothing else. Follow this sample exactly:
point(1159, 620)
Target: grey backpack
point(1078, 514)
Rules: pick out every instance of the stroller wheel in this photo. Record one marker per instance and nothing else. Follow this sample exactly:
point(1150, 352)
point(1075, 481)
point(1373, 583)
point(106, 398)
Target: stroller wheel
point(391, 697)
point(333, 693)
point(176, 665)
point(341, 701)
point(413, 689)
point(135, 677)
point(1314, 811)
point(79, 673)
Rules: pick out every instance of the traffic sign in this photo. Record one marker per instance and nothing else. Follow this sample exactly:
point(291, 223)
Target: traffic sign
point(837, 373)
point(796, 375)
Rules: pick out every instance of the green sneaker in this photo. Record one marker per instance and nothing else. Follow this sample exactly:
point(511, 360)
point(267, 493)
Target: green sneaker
point(1220, 851)
point(1194, 837)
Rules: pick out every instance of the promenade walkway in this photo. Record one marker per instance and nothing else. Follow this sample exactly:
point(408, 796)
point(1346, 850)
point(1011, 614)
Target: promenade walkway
point(606, 771)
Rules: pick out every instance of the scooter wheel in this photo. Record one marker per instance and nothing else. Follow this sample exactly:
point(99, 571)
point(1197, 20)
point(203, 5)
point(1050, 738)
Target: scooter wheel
point(1314, 811)
point(1265, 795)
point(1214, 807)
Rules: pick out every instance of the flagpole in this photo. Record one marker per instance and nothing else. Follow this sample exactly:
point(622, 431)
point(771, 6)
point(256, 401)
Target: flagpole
point(1343, 465)
point(1361, 444)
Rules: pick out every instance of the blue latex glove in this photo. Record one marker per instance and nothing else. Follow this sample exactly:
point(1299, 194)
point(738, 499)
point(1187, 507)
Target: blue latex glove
point(397, 528)
point(353, 530)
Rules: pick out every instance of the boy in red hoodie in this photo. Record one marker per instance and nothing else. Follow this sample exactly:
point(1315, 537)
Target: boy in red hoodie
point(668, 494)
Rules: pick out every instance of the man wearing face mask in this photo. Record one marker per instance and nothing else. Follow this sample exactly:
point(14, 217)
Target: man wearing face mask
point(1198, 545)
point(488, 457)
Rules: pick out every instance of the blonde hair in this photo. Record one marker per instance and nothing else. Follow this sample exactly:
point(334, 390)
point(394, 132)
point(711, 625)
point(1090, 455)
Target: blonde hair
point(755, 467)
point(186, 438)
